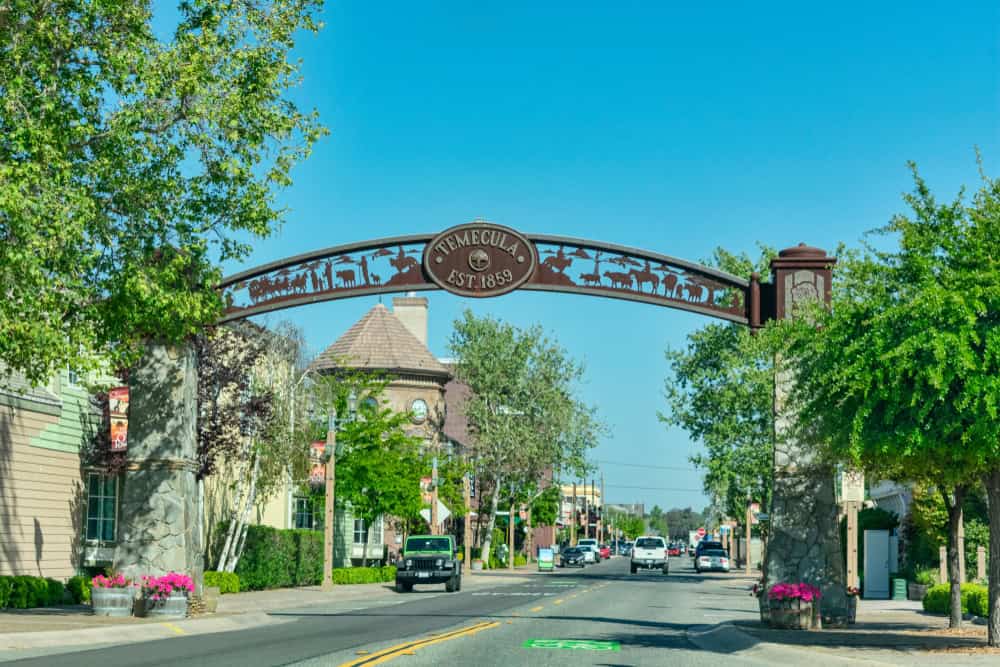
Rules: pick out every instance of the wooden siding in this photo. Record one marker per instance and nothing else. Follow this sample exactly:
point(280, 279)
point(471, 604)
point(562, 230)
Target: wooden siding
point(41, 492)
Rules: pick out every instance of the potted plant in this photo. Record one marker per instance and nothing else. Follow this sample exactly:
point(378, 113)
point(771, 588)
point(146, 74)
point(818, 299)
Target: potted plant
point(922, 580)
point(757, 591)
point(166, 596)
point(852, 604)
point(790, 606)
point(112, 595)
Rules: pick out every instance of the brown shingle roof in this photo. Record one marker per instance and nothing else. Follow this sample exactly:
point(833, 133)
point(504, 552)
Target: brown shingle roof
point(379, 341)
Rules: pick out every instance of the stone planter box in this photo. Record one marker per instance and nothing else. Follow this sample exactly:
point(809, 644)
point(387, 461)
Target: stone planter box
point(211, 598)
point(477, 564)
point(174, 606)
point(112, 601)
point(916, 591)
point(790, 614)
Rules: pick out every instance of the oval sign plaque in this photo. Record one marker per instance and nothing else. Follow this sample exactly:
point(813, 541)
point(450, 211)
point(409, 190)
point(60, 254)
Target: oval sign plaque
point(480, 259)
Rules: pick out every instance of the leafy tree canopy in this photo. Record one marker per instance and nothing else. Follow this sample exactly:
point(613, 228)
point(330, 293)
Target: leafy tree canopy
point(132, 165)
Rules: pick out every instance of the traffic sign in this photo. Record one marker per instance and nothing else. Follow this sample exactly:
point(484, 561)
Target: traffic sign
point(701, 532)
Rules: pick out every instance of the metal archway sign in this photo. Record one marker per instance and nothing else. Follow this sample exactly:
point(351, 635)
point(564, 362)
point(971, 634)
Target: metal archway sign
point(482, 259)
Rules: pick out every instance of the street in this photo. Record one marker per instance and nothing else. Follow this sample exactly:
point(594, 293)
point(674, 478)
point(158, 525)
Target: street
point(568, 617)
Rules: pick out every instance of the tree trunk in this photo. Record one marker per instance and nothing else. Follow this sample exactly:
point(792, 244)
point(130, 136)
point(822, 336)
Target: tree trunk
point(251, 498)
point(364, 544)
point(954, 504)
point(490, 524)
point(992, 481)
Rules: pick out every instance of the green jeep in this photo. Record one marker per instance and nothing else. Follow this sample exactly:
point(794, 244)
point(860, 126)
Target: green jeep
point(429, 559)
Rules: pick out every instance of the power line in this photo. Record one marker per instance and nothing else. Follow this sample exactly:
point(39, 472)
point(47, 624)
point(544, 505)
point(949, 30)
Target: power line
point(652, 488)
point(643, 465)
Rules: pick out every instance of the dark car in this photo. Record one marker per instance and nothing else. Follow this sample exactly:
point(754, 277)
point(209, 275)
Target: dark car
point(571, 557)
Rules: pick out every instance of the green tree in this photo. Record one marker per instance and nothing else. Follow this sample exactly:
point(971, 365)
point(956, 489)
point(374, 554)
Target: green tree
point(657, 521)
point(380, 468)
point(901, 375)
point(720, 390)
point(682, 521)
point(132, 165)
point(524, 419)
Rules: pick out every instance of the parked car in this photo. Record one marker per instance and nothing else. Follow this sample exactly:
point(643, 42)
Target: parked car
point(590, 554)
point(706, 544)
point(712, 559)
point(650, 552)
point(604, 550)
point(590, 542)
point(625, 548)
point(674, 550)
point(571, 557)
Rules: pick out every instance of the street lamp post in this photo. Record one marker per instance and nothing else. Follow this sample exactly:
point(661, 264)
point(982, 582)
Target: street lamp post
point(330, 452)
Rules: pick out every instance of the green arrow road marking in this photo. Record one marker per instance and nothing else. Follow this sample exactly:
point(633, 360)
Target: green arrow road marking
point(573, 644)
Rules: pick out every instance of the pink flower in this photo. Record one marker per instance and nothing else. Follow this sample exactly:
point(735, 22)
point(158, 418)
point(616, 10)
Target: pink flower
point(117, 580)
point(159, 588)
point(801, 591)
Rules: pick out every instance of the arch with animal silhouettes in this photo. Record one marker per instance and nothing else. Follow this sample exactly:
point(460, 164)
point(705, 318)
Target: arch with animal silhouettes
point(555, 264)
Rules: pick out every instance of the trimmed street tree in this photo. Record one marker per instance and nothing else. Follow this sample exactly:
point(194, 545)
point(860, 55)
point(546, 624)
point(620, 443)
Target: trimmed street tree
point(523, 417)
point(131, 166)
point(902, 375)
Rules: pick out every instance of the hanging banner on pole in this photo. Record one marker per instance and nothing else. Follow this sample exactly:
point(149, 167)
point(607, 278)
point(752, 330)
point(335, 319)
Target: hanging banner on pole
point(118, 411)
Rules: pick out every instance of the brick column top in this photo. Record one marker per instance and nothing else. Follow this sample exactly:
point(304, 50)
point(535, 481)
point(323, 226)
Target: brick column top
point(800, 273)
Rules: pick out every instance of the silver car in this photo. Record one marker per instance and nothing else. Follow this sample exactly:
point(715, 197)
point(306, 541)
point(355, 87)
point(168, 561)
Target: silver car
point(712, 559)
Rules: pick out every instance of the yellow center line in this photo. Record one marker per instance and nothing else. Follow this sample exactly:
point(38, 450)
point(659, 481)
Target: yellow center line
point(173, 627)
point(557, 601)
point(539, 608)
point(410, 647)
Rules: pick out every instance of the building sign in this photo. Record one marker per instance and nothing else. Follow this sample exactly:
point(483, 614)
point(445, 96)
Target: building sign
point(480, 259)
point(852, 486)
point(118, 411)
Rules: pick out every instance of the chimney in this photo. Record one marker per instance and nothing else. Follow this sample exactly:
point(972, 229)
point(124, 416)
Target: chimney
point(412, 312)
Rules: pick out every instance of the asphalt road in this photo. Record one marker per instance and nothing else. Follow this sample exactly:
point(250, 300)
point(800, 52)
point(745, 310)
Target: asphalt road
point(598, 616)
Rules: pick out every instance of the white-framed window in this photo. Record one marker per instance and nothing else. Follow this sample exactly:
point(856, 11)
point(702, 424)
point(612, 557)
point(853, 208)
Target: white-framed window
point(102, 507)
point(304, 513)
point(359, 532)
point(72, 377)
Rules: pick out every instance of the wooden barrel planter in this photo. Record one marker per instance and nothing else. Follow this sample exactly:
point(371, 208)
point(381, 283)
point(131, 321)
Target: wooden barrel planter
point(173, 606)
point(111, 601)
point(791, 614)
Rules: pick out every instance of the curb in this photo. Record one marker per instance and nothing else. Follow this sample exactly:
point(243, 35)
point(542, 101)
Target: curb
point(728, 639)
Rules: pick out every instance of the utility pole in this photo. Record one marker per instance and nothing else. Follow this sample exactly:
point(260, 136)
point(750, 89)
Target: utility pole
point(586, 512)
point(574, 519)
point(328, 513)
point(747, 555)
point(467, 523)
point(434, 497)
point(851, 508)
point(602, 537)
point(510, 539)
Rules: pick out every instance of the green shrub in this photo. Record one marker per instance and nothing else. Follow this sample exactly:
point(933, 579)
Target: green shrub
point(979, 602)
point(926, 576)
point(6, 584)
point(79, 588)
point(364, 575)
point(520, 559)
point(227, 582)
point(938, 598)
point(56, 591)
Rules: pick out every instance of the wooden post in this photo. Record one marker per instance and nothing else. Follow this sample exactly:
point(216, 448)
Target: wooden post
point(329, 515)
point(747, 557)
point(852, 542)
point(602, 537)
point(574, 519)
point(467, 493)
point(586, 513)
point(510, 539)
point(943, 566)
point(980, 563)
point(529, 537)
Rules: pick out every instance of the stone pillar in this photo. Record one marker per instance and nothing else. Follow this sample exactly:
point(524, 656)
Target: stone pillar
point(804, 545)
point(980, 563)
point(942, 564)
point(159, 515)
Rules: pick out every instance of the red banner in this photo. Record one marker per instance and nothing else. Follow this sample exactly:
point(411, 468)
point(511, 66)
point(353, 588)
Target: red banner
point(118, 410)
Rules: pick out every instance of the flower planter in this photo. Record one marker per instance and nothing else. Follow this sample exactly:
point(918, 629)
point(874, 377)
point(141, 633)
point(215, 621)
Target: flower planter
point(172, 606)
point(916, 591)
point(211, 598)
point(112, 601)
point(791, 614)
point(477, 564)
point(852, 609)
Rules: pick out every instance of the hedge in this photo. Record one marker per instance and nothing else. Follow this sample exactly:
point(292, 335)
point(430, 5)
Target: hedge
point(979, 602)
point(286, 558)
point(937, 600)
point(227, 582)
point(79, 588)
point(24, 592)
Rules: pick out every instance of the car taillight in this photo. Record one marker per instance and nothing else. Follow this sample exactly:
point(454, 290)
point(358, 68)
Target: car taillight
point(724, 561)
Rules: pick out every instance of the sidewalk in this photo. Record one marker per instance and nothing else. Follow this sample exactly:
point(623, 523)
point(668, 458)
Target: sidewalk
point(895, 632)
point(74, 625)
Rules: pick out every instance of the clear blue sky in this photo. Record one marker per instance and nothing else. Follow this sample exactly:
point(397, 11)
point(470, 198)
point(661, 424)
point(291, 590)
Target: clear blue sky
point(651, 124)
